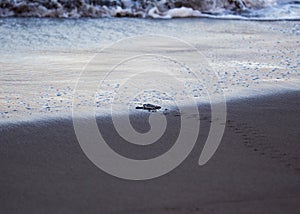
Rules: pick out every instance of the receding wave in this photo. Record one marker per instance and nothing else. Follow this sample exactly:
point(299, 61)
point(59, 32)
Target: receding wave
point(164, 9)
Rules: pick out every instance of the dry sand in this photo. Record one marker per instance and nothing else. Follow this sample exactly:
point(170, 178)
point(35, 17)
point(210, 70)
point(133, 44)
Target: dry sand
point(256, 169)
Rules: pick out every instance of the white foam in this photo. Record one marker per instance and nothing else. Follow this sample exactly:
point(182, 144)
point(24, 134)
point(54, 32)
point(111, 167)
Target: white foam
point(182, 12)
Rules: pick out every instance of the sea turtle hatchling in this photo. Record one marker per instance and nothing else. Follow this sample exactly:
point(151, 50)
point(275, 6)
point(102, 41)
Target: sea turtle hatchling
point(149, 107)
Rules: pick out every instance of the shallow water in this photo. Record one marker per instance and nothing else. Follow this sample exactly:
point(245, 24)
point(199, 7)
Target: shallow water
point(43, 59)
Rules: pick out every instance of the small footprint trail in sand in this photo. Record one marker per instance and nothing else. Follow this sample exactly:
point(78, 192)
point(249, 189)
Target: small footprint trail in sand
point(258, 142)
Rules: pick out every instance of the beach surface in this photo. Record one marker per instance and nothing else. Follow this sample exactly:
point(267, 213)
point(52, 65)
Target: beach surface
point(49, 76)
point(256, 168)
point(42, 60)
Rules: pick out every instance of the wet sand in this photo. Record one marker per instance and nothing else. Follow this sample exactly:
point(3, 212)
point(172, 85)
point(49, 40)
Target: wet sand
point(256, 169)
point(41, 64)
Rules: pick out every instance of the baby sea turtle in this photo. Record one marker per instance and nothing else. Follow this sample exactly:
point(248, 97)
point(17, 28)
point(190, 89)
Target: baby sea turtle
point(148, 107)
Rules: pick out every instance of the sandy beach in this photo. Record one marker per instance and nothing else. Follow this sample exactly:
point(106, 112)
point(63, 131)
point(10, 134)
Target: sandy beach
point(256, 169)
point(55, 70)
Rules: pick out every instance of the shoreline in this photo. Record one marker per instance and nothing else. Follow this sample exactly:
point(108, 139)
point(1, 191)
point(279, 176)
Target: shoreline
point(255, 169)
point(40, 79)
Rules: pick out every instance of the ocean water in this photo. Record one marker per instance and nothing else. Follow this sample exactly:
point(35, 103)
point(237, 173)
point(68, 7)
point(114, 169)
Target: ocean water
point(49, 66)
point(164, 9)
